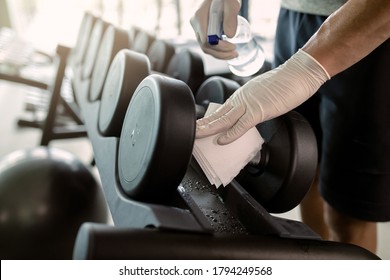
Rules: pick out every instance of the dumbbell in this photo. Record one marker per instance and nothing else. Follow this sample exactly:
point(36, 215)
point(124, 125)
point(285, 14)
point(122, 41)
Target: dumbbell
point(82, 40)
point(149, 160)
point(215, 89)
point(283, 176)
point(157, 138)
point(289, 155)
point(133, 31)
point(93, 47)
point(288, 158)
point(159, 54)
point(288, 161)
point(126, 73)
point(113, 40)
point(187, 66)
point(142, 41)
point(127, 70)
point(45, 195)
point(278, 181)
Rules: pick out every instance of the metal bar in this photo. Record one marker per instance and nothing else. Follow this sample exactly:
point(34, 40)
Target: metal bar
point(47, 133)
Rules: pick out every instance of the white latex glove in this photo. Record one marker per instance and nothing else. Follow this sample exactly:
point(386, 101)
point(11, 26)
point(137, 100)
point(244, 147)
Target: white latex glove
point(200, 21)
point(265, 97)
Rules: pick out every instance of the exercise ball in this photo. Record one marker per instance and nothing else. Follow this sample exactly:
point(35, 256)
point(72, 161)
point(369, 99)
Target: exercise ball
point(45, 196)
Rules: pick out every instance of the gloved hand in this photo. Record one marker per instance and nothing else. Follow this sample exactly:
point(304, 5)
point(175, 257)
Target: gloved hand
point(265, 97)
point(200, 21)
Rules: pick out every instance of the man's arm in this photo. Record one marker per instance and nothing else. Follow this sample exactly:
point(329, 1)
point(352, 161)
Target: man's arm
point(347, 36)
point(350, 33)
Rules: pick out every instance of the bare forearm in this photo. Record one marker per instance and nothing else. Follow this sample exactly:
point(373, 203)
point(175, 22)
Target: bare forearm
point(350, 34)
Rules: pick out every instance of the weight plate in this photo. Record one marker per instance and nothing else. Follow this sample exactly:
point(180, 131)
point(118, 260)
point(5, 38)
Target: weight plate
point(133, 31)
point(157, 138)
point(288, 164)
point(93, 47)
point(215, 89)
point(160, 53)
point(114, 40)
point(142, 42)
point(188, 67)
point(126, 72)
point(83, 36)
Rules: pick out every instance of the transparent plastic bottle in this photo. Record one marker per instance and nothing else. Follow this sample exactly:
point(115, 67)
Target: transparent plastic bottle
point(250, 54)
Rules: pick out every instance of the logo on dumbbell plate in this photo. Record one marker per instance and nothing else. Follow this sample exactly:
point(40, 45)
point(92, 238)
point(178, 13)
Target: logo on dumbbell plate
point(134, 135)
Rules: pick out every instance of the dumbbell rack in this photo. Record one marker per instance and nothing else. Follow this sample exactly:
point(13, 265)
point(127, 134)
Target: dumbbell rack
point(197, 222)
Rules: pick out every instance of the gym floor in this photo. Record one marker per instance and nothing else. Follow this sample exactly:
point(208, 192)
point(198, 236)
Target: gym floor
point(12, 107)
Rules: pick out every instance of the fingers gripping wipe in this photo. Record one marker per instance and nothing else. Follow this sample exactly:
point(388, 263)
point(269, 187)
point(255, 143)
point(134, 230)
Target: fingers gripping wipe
point(265, 97)
point(215, 123)
point(222, 163)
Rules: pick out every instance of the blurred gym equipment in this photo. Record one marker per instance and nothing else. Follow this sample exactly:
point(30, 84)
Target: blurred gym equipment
point(159, 54)
point(127, 70)
point(45, 195)
point(113, 40)
point(54, 109)
point(142, 41)
point(187, 66)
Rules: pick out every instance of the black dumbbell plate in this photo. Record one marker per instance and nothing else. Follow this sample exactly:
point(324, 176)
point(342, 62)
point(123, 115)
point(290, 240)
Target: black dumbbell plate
point(288, 164)
point(157, 138)
point(126, 72)
point(114, 40)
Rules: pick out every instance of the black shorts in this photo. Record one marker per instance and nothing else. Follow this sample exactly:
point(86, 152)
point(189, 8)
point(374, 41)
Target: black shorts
point(350, 116)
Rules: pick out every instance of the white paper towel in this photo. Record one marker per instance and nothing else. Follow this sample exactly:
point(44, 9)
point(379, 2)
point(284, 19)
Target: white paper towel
point(221, 163)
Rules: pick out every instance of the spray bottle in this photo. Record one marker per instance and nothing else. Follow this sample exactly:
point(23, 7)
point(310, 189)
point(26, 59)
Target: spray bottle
point(250, 55)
